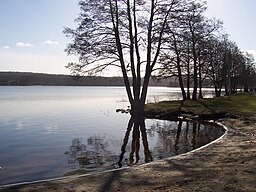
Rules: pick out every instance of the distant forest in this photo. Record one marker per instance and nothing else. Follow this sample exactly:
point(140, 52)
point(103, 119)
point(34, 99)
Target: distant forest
point(26, 79)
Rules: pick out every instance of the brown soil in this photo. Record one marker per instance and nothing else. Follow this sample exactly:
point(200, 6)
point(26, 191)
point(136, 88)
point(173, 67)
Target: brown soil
point(229, 164)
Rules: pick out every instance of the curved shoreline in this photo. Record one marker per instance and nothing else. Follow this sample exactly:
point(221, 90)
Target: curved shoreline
point(227, 164)
point(19, 184)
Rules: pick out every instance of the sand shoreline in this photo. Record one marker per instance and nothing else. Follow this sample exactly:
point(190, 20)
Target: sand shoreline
point(228, 164)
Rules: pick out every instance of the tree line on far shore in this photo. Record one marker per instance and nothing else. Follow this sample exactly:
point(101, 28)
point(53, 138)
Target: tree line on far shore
point(26, 79)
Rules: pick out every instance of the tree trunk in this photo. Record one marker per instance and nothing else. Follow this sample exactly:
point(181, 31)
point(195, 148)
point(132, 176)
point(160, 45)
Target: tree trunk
point(194, 96)
point(184, 96)
point(200, 80)
point(188, 86)
point(188, 77)
point(216, 90)
point(180, 78)
point(246, 88)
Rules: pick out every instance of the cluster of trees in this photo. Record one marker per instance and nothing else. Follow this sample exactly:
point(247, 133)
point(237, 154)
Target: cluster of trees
point(141, 37)
point(197, 49)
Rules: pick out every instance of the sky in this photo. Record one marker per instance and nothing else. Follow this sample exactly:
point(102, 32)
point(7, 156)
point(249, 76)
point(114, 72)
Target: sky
point(31, 38)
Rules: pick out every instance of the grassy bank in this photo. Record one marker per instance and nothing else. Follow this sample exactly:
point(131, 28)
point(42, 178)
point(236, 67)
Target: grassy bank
point(237, 105)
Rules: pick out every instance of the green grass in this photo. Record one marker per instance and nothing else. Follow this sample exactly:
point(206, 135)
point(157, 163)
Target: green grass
point(236, 104)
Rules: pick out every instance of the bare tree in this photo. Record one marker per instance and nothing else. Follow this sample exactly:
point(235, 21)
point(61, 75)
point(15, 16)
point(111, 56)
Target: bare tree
point(185, 49)
point(247, 77)
point(199, 29)
point(124, 33)
point(227, 66)
point(171, 56)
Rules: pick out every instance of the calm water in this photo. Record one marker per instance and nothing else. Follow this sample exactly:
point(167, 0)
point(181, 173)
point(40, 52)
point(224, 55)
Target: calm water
point(48, 132)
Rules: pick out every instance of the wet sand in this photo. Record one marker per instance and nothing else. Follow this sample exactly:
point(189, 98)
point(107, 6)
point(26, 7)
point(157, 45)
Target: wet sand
point(229, 164)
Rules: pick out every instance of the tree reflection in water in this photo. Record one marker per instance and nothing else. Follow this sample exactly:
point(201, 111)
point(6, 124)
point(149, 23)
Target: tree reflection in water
point(181, 136)
point(137, 123)
point(97, 154)
point(165, 138)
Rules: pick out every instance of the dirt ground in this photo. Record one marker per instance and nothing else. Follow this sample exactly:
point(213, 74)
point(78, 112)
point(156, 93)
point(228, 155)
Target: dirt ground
point(229, 164)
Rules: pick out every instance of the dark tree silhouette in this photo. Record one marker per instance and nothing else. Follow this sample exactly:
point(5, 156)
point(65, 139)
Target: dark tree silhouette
point(128, 34)
point(184, 47)
point(137, 125)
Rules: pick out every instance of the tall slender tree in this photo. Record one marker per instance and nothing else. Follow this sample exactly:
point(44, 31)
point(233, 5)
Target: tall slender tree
point(185, 49)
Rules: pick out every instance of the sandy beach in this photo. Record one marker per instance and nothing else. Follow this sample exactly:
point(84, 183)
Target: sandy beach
point(225, 165)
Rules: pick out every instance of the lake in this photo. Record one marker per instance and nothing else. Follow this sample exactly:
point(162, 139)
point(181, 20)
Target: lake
point(52, 131)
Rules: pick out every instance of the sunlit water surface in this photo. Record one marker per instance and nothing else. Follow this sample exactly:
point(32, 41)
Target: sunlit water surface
point(49, 132)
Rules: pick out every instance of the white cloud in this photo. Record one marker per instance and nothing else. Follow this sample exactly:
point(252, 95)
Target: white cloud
point(21, 44)
point(6, 47)
point(49, 42)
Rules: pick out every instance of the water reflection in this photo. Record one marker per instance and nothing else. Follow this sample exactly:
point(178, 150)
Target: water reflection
point(137, 123)
point(93, 155)
point(140, 144)
point(182, 136)
point(38, 124)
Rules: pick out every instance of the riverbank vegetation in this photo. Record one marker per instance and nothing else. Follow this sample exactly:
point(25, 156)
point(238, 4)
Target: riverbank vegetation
point(237, 105)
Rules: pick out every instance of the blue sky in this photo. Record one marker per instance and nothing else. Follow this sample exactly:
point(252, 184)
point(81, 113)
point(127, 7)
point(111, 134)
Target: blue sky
point(239, 20)
point(31, 36)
